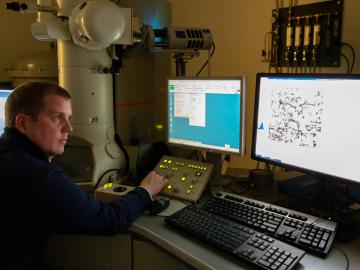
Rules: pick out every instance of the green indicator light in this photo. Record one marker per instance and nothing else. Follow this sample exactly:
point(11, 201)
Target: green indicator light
point(159, 126)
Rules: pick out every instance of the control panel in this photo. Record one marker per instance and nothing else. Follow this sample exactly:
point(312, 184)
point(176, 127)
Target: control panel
point(187, 178)
point(111, 191)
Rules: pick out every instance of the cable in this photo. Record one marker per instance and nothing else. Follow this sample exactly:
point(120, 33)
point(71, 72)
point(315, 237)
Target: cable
point(347, 62)
point(343, 252)
point(117, 136)
point(102, 176)
point(207, 61)
point(353, 54)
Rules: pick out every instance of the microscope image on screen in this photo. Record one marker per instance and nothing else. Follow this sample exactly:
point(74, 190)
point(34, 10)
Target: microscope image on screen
point(296, 116)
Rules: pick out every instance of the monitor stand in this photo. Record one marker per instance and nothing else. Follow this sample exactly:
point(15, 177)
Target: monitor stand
point(216, 160)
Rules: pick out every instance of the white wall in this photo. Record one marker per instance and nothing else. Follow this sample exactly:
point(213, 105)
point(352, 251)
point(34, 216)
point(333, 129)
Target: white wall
point(238, 27)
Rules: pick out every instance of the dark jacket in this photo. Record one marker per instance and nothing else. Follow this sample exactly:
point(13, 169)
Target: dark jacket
point(37, 200)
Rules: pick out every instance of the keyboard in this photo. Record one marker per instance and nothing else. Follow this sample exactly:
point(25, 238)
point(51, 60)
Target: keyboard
point(308, 232)
point(238, 240)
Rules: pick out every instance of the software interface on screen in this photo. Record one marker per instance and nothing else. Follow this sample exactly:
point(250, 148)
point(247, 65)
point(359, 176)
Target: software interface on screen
point(206, 113)
point(311, 123)
point(3, 96)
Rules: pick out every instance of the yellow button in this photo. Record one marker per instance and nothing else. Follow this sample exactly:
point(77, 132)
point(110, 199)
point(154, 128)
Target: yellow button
point(169, 186)
point(165, 160)
point(188, 191)
point(170, 161)
point(110, 184)
point(183, 178)
point(191, 186)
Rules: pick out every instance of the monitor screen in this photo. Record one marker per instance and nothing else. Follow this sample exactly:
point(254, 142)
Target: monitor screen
point(308, 122)
point(207, 113)
point(4, 93)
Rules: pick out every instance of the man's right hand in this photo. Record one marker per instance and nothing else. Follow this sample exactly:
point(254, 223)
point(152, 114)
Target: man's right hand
point(154, 183)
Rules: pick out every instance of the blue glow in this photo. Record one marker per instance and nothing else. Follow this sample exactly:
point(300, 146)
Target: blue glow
point(220, 119)
point(3, 96)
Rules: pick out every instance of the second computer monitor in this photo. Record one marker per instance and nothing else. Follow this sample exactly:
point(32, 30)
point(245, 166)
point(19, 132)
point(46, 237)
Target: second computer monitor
point(309, 122)
point(207, 113)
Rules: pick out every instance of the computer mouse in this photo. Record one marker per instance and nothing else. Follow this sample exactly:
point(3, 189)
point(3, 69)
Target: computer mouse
point(158, 206)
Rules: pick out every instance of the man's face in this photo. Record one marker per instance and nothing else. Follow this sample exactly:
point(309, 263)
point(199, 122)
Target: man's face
point(51, 128)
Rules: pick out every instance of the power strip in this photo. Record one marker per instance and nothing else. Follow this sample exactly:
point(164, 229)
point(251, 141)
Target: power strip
point(187, 178)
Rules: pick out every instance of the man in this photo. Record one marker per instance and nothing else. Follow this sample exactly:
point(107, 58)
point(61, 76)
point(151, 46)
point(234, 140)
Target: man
point(37, 199)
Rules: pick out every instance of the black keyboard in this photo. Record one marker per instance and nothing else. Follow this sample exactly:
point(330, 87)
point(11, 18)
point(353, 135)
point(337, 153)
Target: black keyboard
point(243, 242)
point(308, 232)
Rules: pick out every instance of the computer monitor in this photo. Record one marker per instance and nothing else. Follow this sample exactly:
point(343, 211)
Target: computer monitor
point(310, 123)
point(208, 114)
point(5, 91)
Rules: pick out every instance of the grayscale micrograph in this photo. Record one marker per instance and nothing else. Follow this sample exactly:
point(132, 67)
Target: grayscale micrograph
point(295, 118)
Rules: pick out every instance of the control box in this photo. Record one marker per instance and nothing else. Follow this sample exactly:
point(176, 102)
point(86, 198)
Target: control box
point(110, 192)
point(187, 178)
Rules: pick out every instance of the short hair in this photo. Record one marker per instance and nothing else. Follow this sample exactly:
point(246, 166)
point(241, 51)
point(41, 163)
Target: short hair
point(28, 98)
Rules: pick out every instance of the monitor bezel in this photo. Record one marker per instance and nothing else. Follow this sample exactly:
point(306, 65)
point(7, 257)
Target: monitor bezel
point(243, 103)
point(317, 174)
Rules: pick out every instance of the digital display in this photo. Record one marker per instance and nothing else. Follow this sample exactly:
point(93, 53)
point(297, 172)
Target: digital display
point(207, 113)
point(309, 122)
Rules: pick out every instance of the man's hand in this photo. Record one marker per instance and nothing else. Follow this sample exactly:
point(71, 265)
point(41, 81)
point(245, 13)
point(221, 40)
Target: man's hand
point(154, 183)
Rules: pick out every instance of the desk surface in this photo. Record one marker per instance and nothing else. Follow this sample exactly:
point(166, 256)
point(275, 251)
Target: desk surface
point(203, 256)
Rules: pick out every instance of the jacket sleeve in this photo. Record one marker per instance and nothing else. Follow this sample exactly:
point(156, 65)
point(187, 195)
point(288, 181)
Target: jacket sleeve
point(71, 210)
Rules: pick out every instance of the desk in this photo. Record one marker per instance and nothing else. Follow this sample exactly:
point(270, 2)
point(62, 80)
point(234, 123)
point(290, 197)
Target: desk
point(202, 256)
point(126, 252)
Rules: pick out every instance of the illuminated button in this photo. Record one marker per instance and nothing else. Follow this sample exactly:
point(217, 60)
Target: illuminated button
point(106, 185)
point(169, 186)
point(188, 191)
point(198, 173)
point(191, 186)
point(205, 169)
point(183, 178)
point(161, 166)
point(170, 161)
point(189, 166)
point(110, 184)
point(165, 160)
point(174, 169)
